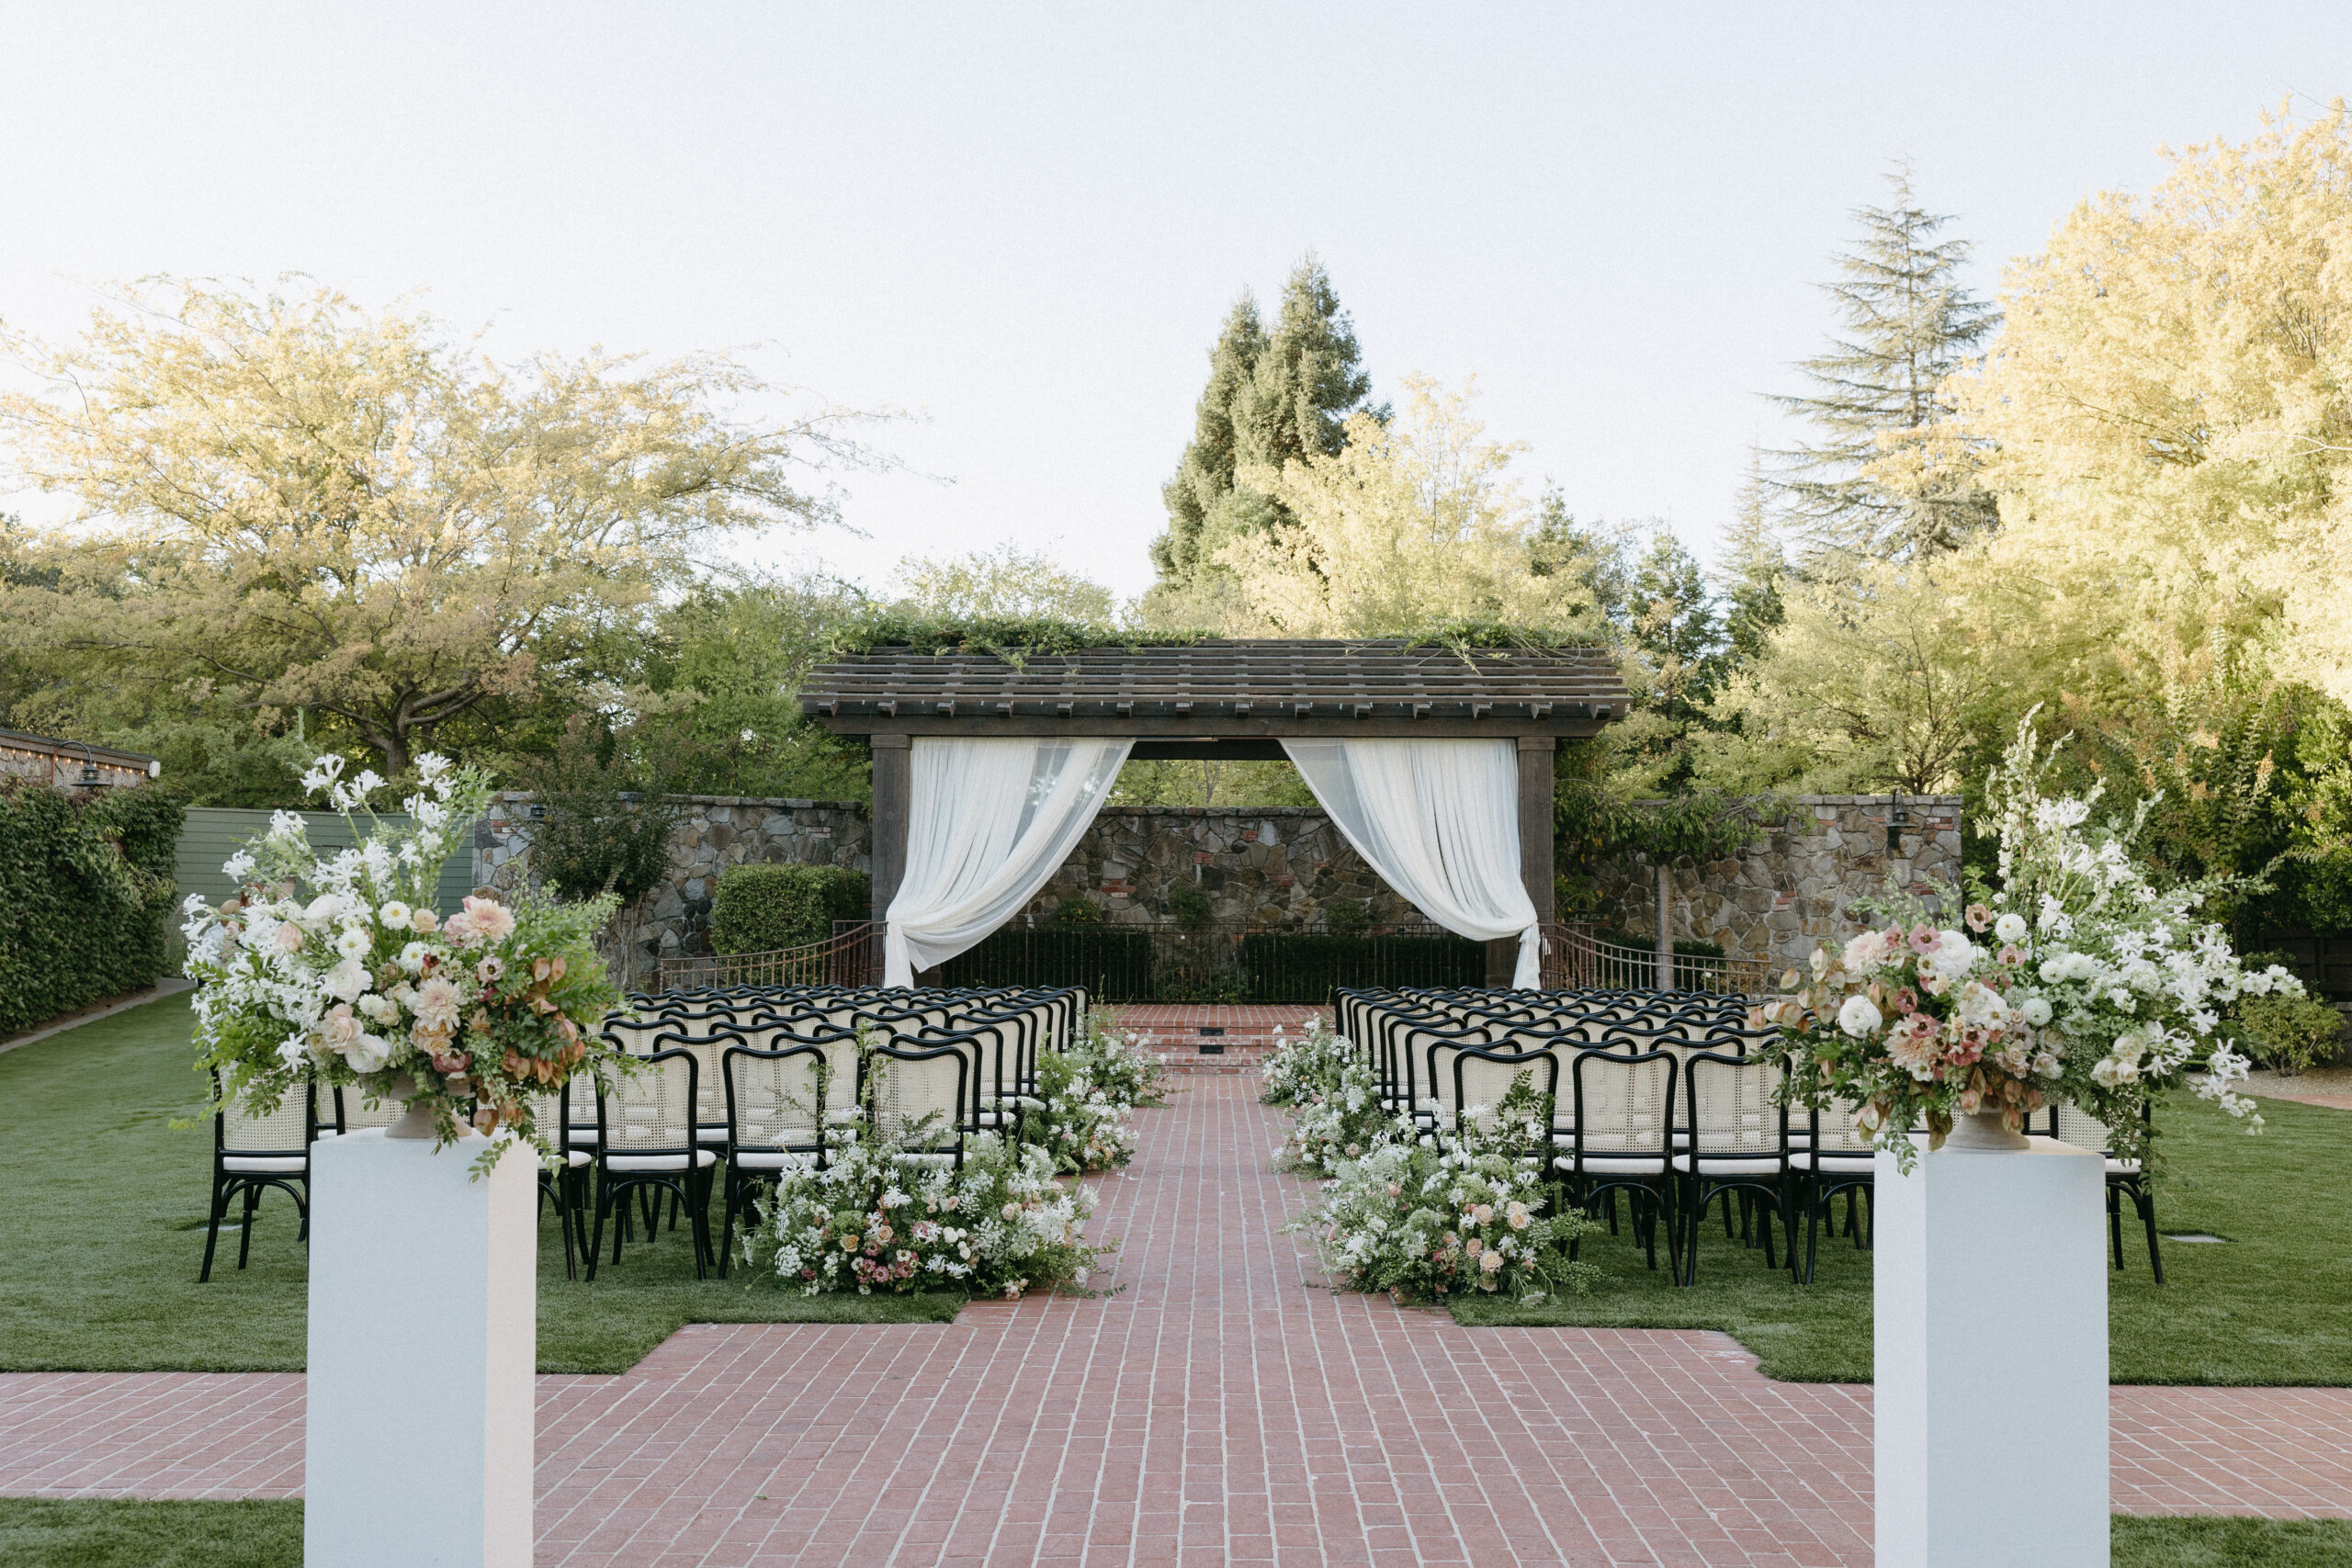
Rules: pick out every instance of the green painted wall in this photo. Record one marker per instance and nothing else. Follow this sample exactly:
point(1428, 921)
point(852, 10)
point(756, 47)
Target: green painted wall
point(213, 833)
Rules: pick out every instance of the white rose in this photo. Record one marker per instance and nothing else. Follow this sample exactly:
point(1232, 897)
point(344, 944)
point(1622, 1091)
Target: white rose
point(2035, 1011)
point(2009, 927)
point(2103, 1072)
point(348, 979)
point(395, 915)
point(324, 908)
point(1954, 952)
point(367, 1054)
point(1858, 1018)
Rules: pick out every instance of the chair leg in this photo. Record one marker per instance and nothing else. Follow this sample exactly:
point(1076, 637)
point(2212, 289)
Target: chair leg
point(727, 1232)
point(245, 1237)
point(604, 1205)
point(2115, 1223)
point(1815, 1204)
point(2146, 1203)
point(212, 1230)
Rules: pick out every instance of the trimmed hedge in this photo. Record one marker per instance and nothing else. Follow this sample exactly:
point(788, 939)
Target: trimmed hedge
point(86, 884)
point(761, 907)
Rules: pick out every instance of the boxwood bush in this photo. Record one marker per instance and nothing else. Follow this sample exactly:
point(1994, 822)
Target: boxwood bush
point(761, 908)
point(87, 884)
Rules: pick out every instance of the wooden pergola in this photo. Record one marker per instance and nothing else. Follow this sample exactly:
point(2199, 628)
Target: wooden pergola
point(1224, 700)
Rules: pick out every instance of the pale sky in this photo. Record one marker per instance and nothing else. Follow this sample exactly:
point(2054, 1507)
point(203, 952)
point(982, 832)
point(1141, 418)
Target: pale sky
point(1023, 223)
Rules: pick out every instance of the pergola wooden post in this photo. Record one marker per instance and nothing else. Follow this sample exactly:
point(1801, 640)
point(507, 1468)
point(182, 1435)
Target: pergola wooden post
point(1225, 700)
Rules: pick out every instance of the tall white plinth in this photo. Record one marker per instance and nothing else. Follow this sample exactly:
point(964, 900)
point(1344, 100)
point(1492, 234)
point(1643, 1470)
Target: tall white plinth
point(1991, 1360)
point(424, 1340)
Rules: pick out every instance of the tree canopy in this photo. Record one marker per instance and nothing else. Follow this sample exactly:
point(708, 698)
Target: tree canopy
point(293, 502)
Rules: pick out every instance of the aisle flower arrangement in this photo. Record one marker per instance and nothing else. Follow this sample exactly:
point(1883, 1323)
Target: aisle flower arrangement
point(1337, 1124)
point(866, 1222)
point(2072, 978)
point(333, 968)
point(1089, 1093)
point(1304, 1066)
point(1425, 1219)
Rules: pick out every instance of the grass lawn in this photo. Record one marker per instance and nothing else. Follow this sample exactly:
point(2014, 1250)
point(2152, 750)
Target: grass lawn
point(2274, 1305)
point(98, 1273)
point(37, 1533)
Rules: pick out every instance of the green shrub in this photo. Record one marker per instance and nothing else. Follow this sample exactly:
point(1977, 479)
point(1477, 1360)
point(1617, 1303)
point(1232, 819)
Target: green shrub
point(1345, 917)
point(86, 887)
point(1189, 906)
point(2289, 1034)
point(761, 908)
point(1077, 911)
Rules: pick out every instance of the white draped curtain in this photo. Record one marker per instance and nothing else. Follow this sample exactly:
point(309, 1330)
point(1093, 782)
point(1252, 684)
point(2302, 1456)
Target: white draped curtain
point(1438, 821)
point(988, 822)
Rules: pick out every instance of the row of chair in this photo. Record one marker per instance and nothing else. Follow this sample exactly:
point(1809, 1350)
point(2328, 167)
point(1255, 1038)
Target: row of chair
point(740, 1084)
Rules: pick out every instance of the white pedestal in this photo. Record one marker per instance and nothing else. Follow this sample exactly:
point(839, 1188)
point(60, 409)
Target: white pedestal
point(1991, 1360)
point(424, 1342)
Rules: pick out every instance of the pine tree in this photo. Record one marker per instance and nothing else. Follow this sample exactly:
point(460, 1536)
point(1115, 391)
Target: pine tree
point(1674, 625)
point(1753, 566)
point(1886, 479)
point(1270, 399)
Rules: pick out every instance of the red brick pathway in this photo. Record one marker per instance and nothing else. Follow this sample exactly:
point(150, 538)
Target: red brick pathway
point(1221, 1408)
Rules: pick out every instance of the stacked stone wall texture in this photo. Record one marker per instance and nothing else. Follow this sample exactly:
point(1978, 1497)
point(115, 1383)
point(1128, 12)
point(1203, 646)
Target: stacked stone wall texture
point(1286, 866)
point(1784, 894)
point(1263, 865)
point(718, 831)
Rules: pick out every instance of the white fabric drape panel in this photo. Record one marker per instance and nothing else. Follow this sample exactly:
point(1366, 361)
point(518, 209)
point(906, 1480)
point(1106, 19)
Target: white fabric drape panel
point(988, 821)
point(1438, 820)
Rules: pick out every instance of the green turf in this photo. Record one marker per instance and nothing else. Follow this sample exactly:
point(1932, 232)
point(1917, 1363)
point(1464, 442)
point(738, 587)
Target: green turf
point(98, 1270)
point(2229, 1543)
point(37, 1532)
point(2272, 1306)
point(41, 1532)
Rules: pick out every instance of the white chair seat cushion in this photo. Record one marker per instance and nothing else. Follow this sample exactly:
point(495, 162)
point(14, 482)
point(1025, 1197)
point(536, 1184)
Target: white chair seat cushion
point(326, 1132)
point(773, 1159)
point(1617, 1164)
point(1832, 1165)
point(2122, 1167)
point(266, 1165)
point(657, 1162)
point(706, 1133)
point(934, 1161)
point(1731, 1164)
point(1025, 1102)
point(993, 1119)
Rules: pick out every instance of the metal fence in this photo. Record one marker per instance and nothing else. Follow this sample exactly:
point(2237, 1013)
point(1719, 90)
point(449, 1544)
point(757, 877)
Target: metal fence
point(1218, 963)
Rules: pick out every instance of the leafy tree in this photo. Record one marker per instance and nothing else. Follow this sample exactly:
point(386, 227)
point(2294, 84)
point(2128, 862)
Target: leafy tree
point(1883, 477)
point(311, 507)
point(2166, 401)
point(1272, 398)
point(608, 811)
point(1415, 522)
point(719, 686)
point(1008, 583)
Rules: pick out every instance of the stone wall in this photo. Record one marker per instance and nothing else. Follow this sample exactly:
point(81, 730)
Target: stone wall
point(1782, 895)
point(719, 830)
point(1267, 865)
point(1284, 866)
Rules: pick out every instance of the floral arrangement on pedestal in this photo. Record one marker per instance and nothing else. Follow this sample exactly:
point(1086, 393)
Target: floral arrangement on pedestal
point(333, 968)
point(1424, 1218)
point(2075, 978)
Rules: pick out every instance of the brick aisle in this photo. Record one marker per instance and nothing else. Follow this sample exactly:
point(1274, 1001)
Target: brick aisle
point(1218, 1409)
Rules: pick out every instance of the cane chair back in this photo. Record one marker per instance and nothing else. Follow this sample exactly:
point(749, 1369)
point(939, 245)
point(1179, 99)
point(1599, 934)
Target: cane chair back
point(635, 1037)
point(1835, 1136)
point(1624, 1103)
point(2075, 1125)
point(246, 1134)
point(1483, 1078)
point(353, 1112)
point(1732, 1110)
point(649, 1113)
point(919, 1094)
point(775, 1099)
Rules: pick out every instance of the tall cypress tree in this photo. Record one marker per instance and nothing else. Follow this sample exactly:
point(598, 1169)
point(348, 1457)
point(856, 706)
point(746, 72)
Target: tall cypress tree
point(1751, 570)
point(1270, 399)
point(1905, 324)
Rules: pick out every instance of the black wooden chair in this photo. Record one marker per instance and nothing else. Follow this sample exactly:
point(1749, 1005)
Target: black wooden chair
point(252, 1154)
